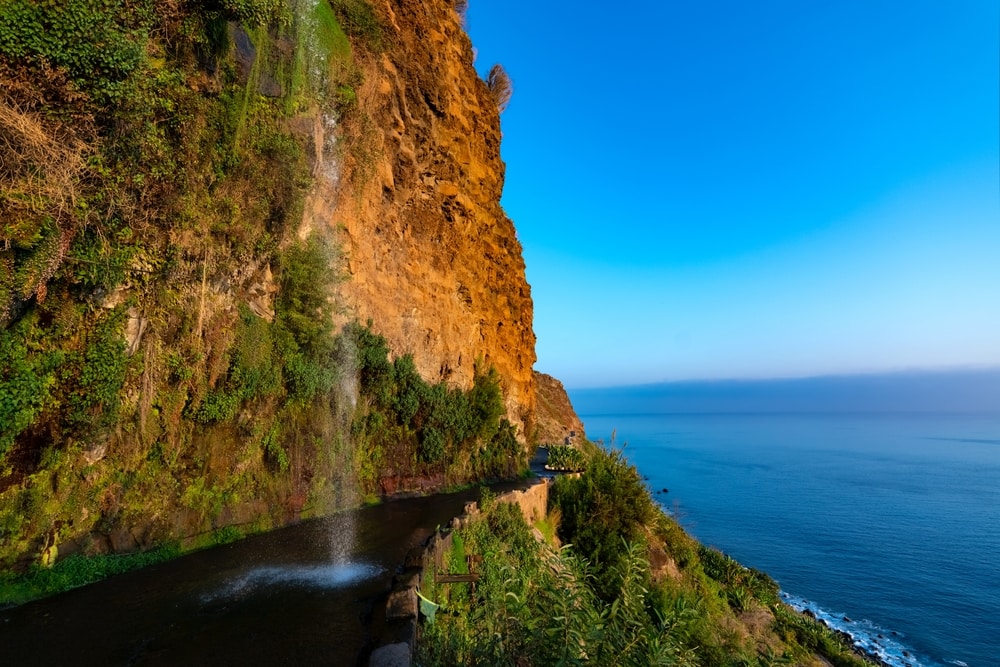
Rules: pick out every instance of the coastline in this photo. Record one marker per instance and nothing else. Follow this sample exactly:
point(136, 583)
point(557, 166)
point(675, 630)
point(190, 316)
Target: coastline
point(859, 517)
point(882, 647)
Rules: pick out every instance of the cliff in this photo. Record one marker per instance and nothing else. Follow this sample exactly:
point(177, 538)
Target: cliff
point(431, 258)
point(200, 203)
point(556, 421)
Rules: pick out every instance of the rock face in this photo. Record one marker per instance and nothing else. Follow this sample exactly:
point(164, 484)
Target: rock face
point(555, 419)
point(431, 258)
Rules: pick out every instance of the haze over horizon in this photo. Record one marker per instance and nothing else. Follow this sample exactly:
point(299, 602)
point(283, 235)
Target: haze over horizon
point(721, 190)
point(955, 392)
point(953, 372)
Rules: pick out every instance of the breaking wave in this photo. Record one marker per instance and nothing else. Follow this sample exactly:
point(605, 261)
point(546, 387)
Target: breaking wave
point(885, 646)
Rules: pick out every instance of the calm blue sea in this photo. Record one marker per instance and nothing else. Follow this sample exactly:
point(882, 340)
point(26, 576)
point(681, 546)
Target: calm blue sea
point(887, 525)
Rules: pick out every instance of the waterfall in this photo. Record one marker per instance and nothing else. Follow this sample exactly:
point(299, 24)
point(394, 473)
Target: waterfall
point(322, 55)
point(313, 86)
point(343, 542)
point(316, 60)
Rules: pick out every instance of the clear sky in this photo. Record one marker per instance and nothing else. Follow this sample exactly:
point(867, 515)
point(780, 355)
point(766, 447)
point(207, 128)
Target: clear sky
point(710, 189)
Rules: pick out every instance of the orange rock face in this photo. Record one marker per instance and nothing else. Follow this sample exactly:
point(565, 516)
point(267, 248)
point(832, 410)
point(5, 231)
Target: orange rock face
point(555, 419)
point(431, 258)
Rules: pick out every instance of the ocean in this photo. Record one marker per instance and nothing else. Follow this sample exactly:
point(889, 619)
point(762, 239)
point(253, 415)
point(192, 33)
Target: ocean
point(886, 525)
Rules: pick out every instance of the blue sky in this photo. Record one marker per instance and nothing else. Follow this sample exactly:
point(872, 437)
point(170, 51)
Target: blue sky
point(715, 190)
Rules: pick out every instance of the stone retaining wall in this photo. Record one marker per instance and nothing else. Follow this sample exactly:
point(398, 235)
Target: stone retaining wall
point(533, 501)
point(401, 609)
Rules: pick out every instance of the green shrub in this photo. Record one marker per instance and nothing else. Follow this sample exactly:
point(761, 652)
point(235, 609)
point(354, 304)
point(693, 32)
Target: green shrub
point(254, 371)
point(218, 406)
point(460, 432)
point(28, 374)
point(566, 458)
point(503, 457)
point(604, 509)
point(535, 606)
point(99, 262)
point(433, 445)
point(297, 352)
point(742, 585)
point(274, 453)
point(369, 353)
point(485, 404)
point(257, 13)
point(410, 389)
point(815, 637)
point(100, 44)
point(226, 535)
point(446, 409)
point(304, 305)
point(305, 315)
point(94, 403)
point(358, 19)
point(679, 545)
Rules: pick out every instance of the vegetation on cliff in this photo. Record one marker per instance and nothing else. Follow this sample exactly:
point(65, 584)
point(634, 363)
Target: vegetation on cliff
point(501, 87)
point(629, 588)
point(565, 458)
point(169, 365)
point(410, 428)
point(403, 427)
point(165, 333)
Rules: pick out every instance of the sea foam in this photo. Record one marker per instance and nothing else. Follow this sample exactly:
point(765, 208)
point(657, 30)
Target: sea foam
point(883, 645)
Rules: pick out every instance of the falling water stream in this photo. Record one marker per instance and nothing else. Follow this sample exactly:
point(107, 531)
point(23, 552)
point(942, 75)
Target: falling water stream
point(302, 595)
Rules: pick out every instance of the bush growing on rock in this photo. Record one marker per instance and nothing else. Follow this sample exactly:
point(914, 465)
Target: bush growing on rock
point(603, 510)
point(462, 434)
point(501, 87)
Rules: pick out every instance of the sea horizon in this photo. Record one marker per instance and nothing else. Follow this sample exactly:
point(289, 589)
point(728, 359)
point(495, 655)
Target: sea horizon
point(949, 391)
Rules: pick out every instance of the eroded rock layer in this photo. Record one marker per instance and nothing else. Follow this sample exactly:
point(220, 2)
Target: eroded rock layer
point(556, 421)
point(431, 258)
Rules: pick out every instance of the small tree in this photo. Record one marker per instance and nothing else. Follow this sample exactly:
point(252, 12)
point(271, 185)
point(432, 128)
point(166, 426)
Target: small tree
point(500, 85)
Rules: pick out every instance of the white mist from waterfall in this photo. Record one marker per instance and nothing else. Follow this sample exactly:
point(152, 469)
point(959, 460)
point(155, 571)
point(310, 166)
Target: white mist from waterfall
point(332, 575)
point(343, 538)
